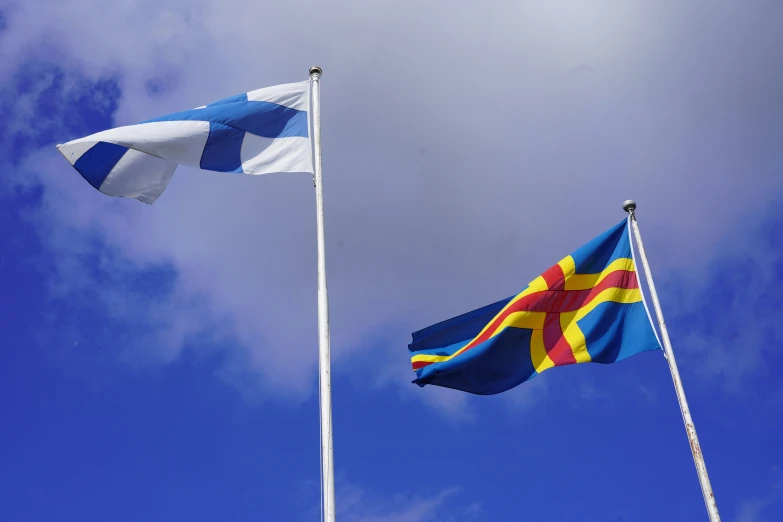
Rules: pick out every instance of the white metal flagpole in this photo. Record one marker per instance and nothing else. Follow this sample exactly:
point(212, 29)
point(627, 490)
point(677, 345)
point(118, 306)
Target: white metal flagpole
point(698, 458)
point(324, 379)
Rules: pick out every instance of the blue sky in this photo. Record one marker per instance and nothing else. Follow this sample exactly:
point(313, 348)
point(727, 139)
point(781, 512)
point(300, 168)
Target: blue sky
point(160, 361)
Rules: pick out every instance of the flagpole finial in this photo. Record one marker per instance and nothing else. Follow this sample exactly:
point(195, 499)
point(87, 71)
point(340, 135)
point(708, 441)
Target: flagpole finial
point(315, 71)
point(629, 206)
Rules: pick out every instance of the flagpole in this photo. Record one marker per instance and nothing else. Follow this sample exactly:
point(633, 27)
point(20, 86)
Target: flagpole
point(698, 458)
point(324, 380)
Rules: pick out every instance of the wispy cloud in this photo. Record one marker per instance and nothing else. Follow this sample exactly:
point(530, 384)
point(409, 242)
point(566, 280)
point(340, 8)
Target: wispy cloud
point(589, 392)
point(750, 511)
point(406, 508)
point(727, 319)
point(645, 391)
point(363, 504)
point(528, 394)
point(754, 510)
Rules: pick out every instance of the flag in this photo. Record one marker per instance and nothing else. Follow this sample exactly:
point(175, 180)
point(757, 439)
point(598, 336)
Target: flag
point(586, 308)
point(259, 132)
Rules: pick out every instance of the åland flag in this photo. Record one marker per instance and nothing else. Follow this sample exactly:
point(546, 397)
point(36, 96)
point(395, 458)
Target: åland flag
point(586, 308)
point(258, 132)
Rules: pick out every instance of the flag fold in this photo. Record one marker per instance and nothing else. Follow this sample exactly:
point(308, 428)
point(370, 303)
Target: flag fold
point(586, 308)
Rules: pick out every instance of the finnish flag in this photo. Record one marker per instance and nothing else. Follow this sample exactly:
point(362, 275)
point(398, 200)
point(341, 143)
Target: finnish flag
point(260, 132)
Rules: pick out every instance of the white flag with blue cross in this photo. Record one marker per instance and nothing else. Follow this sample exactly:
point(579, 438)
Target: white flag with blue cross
point(259, 132)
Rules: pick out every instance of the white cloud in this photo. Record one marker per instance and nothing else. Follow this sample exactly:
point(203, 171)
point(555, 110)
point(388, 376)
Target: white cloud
point(528, 394)
point(356, 503)
point(729, 326)
point(401, 509)
point(461, 157)
point(753, 510)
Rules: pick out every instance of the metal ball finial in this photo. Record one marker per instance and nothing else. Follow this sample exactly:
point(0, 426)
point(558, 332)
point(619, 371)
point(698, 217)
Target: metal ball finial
point(315, 70)
point(629, 205)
